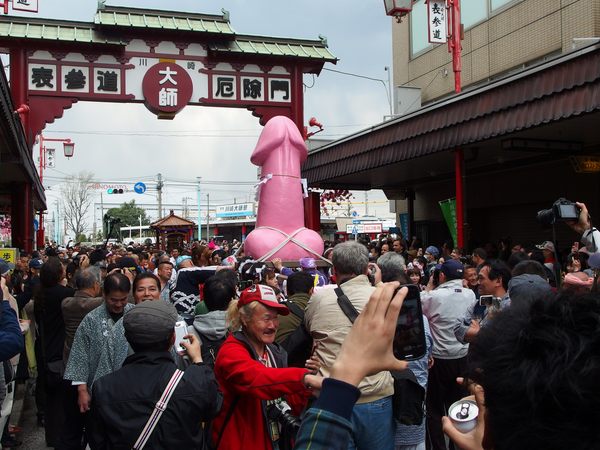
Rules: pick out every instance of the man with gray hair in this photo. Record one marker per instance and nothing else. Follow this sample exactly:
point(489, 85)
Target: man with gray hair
point(372, 422)
point(74, 309)
point(392, 267)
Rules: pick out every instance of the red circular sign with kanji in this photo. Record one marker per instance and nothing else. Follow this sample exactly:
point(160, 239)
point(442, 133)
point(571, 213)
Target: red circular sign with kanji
point(167, 87)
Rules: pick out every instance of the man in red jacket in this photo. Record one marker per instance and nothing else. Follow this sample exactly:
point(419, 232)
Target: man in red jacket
point(252, 374)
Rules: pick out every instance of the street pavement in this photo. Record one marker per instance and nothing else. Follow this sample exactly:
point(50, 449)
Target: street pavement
point(24, 415)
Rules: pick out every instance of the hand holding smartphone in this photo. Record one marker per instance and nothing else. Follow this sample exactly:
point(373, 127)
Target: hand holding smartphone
point(180, 333)
point(409, 339)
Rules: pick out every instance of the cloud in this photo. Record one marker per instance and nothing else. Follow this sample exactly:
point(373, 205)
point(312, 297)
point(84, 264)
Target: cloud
point(128, 142)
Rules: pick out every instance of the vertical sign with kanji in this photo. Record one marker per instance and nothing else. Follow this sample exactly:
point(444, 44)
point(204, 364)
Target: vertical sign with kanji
point(25, 5)
point(436, 21)
point(50, 158)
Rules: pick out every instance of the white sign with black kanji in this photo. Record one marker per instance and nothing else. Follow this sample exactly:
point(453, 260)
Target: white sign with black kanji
point(436, 22)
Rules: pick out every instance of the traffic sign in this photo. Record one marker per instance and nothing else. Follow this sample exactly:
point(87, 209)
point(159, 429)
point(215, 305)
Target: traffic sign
point(364, 227)
point(139, 187)
point(354, 214)
point(356, 221)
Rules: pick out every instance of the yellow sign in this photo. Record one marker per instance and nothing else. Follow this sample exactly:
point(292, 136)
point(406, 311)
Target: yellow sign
point(585, 164)
point(9, 254)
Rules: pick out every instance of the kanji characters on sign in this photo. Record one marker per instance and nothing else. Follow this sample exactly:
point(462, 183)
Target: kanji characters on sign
point(42, 77)
point(167, 87)
point(436, 23)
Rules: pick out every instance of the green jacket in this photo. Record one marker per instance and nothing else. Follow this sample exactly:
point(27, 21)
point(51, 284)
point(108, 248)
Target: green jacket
point(287, 324)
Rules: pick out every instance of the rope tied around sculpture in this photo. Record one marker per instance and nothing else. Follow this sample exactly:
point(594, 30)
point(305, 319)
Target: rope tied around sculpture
point(288, 238)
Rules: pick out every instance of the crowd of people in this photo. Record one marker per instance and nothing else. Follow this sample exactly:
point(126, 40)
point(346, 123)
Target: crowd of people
point(269, 359)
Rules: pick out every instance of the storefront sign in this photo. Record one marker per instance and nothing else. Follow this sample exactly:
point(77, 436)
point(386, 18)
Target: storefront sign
point(9, 254)
point(367, 228)
point(235, 210)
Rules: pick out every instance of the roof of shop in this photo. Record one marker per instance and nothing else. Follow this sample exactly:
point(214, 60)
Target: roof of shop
point(564, 87)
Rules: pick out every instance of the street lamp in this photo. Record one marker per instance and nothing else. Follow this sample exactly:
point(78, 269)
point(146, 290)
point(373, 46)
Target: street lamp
point(397, 8)
point(69, 149)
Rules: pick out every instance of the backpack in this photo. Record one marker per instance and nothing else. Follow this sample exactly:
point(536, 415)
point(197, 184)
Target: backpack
point(298, 344)
point(408, 401)
point(210, 349)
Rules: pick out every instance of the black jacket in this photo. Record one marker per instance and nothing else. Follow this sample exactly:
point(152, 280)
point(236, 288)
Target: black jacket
point(48, 316)
point(123, 401)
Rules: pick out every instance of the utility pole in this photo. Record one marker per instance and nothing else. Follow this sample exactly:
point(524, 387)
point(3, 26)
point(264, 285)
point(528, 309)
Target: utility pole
point(207, 217)
point(199, 215)
point(366, 203)
point(390, 94)
point(159, 186)
point(102, 214)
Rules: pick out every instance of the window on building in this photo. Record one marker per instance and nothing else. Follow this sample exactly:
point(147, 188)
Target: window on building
point(418, 27)
point(499, 3)
point(473, 11)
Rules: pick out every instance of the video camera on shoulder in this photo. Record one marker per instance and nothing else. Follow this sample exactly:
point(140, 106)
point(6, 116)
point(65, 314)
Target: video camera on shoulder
point(561, 210)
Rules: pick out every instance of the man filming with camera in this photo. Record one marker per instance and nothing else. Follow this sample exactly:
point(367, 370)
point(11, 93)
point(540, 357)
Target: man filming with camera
point(590, 236)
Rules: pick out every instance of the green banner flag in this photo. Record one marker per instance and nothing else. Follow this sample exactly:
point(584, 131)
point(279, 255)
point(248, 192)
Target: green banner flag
point(449, 212)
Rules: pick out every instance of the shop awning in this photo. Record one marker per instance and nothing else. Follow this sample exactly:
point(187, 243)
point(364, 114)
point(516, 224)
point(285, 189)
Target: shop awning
point(563, 88)
point(16, 160)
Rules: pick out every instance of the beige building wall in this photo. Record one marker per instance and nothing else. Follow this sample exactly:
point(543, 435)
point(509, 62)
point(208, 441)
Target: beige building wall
point(523, 33)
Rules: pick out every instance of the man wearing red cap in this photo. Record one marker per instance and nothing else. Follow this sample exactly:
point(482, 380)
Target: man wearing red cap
point(252, 374)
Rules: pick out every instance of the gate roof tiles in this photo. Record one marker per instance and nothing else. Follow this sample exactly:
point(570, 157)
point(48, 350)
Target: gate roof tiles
point(112, 16)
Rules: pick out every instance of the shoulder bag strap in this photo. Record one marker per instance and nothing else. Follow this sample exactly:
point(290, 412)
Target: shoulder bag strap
point(345, 304)
point(159, 408)
point(226, 421)
point(295, 309)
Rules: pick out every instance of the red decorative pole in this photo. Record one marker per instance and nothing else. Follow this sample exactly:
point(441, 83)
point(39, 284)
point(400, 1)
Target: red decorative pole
point(455, 48)
point(454, 42)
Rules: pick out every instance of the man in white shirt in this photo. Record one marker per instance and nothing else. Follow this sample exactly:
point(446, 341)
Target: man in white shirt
point(443, 307)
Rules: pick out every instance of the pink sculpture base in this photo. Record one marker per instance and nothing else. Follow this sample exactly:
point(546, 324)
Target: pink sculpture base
point(262, 241)
point(280, 152)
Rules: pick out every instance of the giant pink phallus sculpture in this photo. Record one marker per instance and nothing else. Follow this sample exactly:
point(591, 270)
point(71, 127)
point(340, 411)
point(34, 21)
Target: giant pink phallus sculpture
point(280, 231)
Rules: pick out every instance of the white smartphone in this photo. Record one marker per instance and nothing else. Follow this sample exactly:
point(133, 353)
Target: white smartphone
point(180, 332)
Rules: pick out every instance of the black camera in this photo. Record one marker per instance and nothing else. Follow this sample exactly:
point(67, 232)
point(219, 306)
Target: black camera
point(280, 411)
point(561, 210)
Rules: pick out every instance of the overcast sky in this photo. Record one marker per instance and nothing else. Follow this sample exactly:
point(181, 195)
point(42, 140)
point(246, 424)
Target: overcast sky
point(127, 142)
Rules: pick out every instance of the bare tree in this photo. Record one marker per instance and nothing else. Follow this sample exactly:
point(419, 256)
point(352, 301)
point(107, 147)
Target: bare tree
point(77, 197)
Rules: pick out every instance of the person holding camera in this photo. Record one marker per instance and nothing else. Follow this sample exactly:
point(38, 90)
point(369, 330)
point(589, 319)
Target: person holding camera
point(124, 409)
point(493, 278)
point(261, 395)
point(590, 236)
